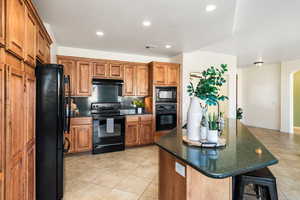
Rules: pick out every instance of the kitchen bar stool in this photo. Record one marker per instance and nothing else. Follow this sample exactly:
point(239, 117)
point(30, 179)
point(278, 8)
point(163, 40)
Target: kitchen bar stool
point(262, 179)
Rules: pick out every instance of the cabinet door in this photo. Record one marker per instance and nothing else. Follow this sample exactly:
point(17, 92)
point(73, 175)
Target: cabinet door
point(132, 132)
point(70, 137)
point(116, 71)
point(30, 173)
point(40, 46)
point(83, 138)
point(146, 133)
point(30, 38)
point(69, 69)
point(2, 136)
point(2, 22)
point(159, 76)
point(47, 53)
point(15, 113)
point(129, 80)
point(16, 27)
point(15, 188)
point(30, 108)
point(172, 75)
point(142, 81)
point(84, 80)
point(100, 70)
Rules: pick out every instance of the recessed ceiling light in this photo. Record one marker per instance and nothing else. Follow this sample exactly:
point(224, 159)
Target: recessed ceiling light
point(99, 33)
point(210, 7)
point(168, 46)
point(146, 23)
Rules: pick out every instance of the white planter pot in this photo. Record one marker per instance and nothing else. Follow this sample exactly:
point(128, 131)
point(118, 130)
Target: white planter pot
point(203, 133)
point(194, 117)
point(213, 136)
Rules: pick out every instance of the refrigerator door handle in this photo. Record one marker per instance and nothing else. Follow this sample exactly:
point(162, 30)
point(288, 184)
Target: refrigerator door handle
point(69, 145)
point(69, 104)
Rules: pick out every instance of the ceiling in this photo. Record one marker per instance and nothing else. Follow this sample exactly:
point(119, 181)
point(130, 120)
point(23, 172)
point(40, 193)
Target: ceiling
point(250, 29)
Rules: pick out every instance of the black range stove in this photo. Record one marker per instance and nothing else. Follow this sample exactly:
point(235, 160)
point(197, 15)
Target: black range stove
point(108, 127)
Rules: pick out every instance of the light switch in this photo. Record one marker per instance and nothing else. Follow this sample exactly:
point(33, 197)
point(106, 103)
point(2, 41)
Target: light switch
point(180, 169)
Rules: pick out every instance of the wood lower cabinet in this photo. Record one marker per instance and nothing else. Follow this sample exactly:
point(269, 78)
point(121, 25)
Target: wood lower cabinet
point(15, 27)
point(30, 38)
point(138, 130)
point(80, 136)
point(69, 70)
point(84, 79)
point(2, 22)
point(83, 138)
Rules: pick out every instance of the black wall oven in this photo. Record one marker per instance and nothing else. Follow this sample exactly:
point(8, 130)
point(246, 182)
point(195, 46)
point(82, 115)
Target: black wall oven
point(166, 116)
point(166, 94)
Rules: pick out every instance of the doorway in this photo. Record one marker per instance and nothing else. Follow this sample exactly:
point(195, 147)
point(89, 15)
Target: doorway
point(296, 102)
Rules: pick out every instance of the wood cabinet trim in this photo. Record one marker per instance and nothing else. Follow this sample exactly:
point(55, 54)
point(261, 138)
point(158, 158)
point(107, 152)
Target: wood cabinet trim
point(2, 22)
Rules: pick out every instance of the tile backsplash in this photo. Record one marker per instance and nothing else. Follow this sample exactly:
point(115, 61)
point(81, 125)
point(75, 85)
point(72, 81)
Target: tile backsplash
point(84, 103)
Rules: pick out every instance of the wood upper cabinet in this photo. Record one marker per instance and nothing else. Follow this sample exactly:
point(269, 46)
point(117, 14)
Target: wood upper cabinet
point(83, 138)
point(15, 37)
point(172, 74)
point(69, 69)
point(2, 22)
point(129, 81)
point(136, 80)
point(139, 130)
point(142, 80)
point(100, 70)
point(116, 71)
point(47, 53)
point(30, 173)
point(132, 134)
point(84, 79)
point(159, 74)
point(165, 73)
point(30, 38)
point(40, 44)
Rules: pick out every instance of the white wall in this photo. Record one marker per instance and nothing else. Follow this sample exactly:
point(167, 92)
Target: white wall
point(259, 95)
point(287, 70)
point(198, 61)
point(88, 53)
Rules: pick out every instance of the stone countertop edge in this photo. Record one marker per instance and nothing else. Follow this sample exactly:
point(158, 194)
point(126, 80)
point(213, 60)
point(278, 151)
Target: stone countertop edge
point(224, 175)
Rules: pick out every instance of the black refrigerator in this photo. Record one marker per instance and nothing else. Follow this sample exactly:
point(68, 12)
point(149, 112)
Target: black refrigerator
point(51, 123)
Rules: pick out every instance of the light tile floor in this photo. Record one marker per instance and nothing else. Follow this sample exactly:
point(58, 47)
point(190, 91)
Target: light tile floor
point(133, 174)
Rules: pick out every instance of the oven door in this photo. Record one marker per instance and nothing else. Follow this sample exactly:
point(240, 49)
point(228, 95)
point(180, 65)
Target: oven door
point(166, 121)
point(108, 132)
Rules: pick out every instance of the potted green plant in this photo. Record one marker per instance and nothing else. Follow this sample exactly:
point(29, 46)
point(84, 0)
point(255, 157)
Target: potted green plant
point(206, 93)
point(213, 134)
point(139, 104)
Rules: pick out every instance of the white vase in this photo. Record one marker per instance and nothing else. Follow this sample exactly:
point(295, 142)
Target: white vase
point(194, 117)
point(203, 133)
point(213, 136)
point(140, 110)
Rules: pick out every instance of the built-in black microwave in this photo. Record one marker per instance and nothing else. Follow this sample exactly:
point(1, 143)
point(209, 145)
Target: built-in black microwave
point(166, 94)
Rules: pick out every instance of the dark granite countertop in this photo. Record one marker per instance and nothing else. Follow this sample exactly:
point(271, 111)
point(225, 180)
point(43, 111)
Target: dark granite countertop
point(88, 114)
point(239, 156)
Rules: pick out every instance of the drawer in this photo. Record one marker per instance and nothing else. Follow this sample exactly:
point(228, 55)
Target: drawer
point(81, 120)
point(146, 117)
point(134, 118)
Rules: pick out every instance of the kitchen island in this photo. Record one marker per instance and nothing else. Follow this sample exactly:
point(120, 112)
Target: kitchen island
point(193, 173)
